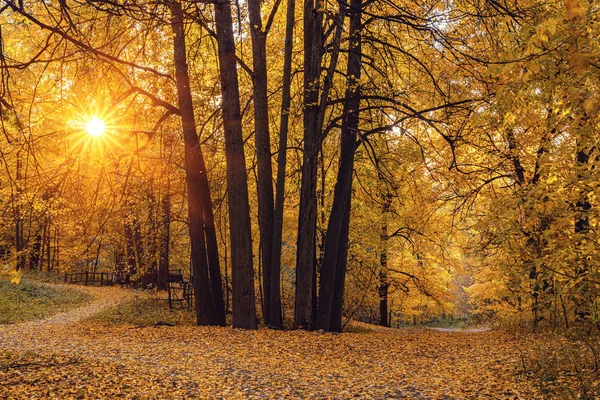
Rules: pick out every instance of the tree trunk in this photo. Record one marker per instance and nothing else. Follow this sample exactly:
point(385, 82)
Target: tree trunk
point(383, 262)
point(340, 274)
point(263, 151)
point(149, 276)
point(163, 242)
point(583, 206)
point(129, 247)
point(275, 312)
point(212, 249)
point(138, 248)
point(383, 299)
point(49, 243)
point(334, 261)
point(307, 218)
point(56, 255)
point(243, 303)
point(34, 258)
point(194, 163)
point(582, 228)
point(19, 240)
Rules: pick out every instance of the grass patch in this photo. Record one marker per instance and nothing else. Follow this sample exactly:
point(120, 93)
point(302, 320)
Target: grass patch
point(43, 276)
point(144, 311)
point(31, 300)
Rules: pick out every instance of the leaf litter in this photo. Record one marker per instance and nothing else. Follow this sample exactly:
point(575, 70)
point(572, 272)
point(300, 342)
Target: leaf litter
point(66, 357)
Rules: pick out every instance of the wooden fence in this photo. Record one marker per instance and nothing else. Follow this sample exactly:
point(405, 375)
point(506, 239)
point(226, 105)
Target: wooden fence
point(103, 278)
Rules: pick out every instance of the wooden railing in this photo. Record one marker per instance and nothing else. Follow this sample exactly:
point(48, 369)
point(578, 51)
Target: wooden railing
point(103, 278)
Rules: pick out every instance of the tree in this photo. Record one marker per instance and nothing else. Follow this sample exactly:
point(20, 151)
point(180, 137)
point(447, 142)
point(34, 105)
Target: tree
point(331, 294)
point(208, 297)
point(244, 307)
point(275, 303)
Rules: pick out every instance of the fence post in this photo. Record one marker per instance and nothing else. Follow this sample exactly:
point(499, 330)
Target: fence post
point(87, 275)
point(65, 277)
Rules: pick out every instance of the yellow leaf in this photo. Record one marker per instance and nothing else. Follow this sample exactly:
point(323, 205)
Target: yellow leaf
point(589, 105)
point(15, 277)
point(574, 9)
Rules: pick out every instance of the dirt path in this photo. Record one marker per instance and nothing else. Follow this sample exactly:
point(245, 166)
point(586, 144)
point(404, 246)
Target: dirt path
point(101, 298)
point(22, 336)
point(464, 330)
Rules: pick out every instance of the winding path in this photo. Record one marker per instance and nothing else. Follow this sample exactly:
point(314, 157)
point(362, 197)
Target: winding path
point(25, 336)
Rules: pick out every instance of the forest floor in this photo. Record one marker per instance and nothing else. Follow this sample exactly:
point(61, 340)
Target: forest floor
point(67, 356)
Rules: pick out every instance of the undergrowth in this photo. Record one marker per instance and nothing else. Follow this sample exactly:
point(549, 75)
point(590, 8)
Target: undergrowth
point(30, 300)
point(563, 363)
point(145, 311)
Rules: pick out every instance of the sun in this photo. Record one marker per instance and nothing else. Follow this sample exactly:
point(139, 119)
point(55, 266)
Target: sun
point(95, 127)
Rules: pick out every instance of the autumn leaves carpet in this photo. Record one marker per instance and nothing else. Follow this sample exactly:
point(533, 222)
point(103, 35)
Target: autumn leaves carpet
point(66, 358)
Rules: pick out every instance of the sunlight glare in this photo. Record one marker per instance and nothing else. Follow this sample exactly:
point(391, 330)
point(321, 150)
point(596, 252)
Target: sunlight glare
point(95, 127)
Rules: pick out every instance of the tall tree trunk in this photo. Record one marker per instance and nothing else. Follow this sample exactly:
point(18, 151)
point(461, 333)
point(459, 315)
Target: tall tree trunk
point(212, 249)
point(275, 312)
point(138, 247)
point(163, 241)
point(334, 262)
point(383, 297)
point(383, 262)
point(243, 303)
point(194, 163)
point(583, 206)
point(56, 255)
point(337, 305)
point(34, 258)
point(307, 219)
point(19, 239)
point(263, 150)
point(49, 243)
point(584, 144)
point(152, 236)
point(582, 228)
point(129, 251)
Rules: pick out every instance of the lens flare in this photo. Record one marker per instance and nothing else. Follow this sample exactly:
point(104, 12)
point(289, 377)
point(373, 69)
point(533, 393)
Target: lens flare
point(95, 127)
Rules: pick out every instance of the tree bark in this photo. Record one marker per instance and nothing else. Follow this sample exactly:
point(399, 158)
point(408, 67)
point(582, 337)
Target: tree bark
point(337, 305)
point(334, 261)
point(164, 239)
point(275, 311)
point(212, 250)
point(34, 258)
point(19, 240)
point(307, 219)
point(582, 228)
point(263, 151)
point(194, 166)
point(383, 262)
point(48, 243)
point(243, 302)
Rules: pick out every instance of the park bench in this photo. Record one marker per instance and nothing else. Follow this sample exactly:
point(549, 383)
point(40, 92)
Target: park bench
point(180, 290)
